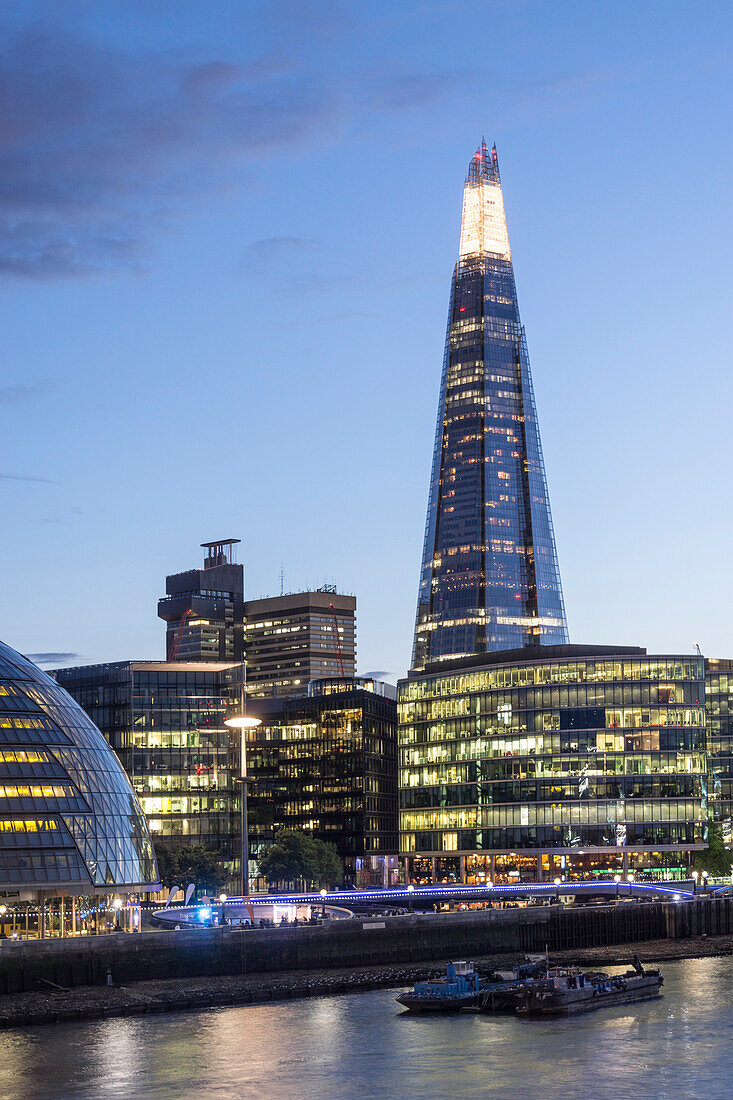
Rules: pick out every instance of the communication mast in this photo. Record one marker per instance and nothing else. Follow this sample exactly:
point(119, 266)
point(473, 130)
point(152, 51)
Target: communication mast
point(336, 639)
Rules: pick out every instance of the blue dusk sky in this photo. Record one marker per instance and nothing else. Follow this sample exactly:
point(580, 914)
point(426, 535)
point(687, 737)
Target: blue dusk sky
point(227, 233)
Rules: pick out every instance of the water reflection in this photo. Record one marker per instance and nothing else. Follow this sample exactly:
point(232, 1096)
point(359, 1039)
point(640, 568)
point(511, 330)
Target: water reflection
point(362, 1046)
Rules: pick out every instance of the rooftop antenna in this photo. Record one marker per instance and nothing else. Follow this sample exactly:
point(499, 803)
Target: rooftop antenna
point(282, 579)
point(697, 648)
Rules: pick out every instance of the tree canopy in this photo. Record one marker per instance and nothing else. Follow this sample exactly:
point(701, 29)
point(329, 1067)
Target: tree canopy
point(195, 863)
point(298, 859)
point(716, 859)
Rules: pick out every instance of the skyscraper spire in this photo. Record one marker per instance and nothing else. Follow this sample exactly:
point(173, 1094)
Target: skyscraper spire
point(490, 578)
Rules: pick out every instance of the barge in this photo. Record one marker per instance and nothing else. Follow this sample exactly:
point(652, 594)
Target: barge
point(567, 990)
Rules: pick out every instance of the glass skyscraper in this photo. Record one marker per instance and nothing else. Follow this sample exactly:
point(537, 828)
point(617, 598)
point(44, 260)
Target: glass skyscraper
point(490, 578)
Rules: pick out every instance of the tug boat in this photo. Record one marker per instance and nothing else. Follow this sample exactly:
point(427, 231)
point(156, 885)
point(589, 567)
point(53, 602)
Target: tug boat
point(460, 988)
point(567, 990)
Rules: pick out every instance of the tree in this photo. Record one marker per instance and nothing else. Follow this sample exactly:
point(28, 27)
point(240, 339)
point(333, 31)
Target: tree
point(197, 864)
point(716, 859)
point(297, 859)
point(203, 866)
point(167, 867)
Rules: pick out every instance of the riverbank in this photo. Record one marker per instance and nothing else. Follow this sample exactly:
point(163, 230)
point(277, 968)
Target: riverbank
point(59, 1005)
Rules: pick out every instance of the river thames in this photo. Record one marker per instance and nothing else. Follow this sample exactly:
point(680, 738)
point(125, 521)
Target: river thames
point(361, 1045)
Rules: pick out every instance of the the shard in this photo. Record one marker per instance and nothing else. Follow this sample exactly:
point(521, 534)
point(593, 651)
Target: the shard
point(490, 578)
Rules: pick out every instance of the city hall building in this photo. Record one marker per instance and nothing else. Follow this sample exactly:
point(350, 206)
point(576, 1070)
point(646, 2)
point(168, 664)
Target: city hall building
point(550, 762)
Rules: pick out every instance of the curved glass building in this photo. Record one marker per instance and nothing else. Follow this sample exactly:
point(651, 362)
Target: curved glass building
point(569, 760)
point(69, 819)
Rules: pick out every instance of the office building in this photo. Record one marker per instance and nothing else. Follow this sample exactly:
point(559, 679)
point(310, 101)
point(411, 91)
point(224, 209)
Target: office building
point(326, 764)
point(719, 712)
point(165, 721)
point(289, 639)
point(204, 608)
point(490, 578)
point(563, 761)
point(70, 824)
point(298, 637)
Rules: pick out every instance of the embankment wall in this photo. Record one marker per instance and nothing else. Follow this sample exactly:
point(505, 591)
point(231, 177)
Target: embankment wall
point(29, 965)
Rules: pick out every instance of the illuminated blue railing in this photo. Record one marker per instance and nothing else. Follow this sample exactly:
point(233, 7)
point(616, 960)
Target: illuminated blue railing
point(458, 890)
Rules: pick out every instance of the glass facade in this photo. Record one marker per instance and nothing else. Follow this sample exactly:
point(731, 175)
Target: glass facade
point(327, 764)
point(490, 578)
point(719, 710)
point(587, 752)
point(68, 815)
point(165, 721)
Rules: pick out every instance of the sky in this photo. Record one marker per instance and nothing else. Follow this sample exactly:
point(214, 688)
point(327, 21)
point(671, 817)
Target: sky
point(227, 233)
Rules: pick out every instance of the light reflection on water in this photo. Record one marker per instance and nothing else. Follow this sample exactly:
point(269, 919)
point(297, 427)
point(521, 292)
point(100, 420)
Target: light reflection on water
point(361, 1046)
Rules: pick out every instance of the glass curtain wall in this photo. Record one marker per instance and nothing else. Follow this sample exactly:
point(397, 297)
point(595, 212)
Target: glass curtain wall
point(490, 578)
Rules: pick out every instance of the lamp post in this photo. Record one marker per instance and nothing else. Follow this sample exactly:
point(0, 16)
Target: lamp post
point(243, 722)
point(695, 875)
point(617, 879)
point(705, 882)
point(117, 905)
point(323, 904)
point(410, 891)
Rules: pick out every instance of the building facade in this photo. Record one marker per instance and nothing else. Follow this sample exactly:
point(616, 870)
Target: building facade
point(569, 761)
point(326, 764)
point(289, 640)
point(204, 608)
point(292, 639)
point(719, 711)
point(490, 578)
point(165, 721)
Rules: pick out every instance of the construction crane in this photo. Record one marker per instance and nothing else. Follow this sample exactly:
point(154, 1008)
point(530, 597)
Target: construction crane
point(176, 641)
point(336, 639)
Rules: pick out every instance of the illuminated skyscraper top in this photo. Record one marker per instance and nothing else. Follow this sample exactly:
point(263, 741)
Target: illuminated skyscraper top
point(490, 578)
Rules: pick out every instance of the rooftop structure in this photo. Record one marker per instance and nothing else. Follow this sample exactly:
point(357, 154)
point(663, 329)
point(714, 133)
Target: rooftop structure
point(204, 608)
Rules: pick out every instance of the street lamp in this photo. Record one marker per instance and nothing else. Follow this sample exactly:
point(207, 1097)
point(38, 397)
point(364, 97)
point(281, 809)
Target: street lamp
point(117, 905)
point(410, 890)
point(705, 882)
point(243, 722)
point(617, 879)
point(323, 904)
point(695, 875)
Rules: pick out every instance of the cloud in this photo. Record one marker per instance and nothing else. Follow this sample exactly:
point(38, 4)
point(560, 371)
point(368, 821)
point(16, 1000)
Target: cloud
point(53, 658)
point(101, 149)
point(9, 395)
point(21, 477)
point(277, 250)
point(411, 90)
point(98, 149)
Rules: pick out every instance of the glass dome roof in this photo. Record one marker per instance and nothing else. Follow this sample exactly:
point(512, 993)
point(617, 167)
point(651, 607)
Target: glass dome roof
point(68, 815)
